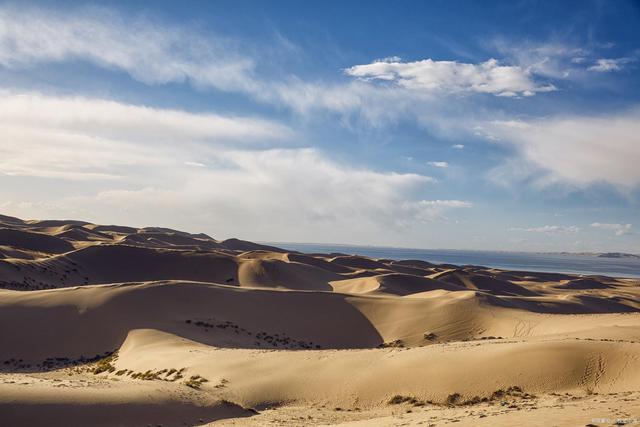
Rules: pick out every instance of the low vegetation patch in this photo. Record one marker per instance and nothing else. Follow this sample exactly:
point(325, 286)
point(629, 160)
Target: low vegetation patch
point(430, 336)
point(196, 381)
point(504, 396)
point(170, 375)
point(392, 344)
point(106, 364)
point(261, 339)
point(223, 383)
point(399, 399)
point(146, 376)
point(103, 363)
point(481, 338)
point(453, 399)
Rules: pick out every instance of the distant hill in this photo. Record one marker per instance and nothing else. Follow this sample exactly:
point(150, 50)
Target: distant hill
point(617, 255)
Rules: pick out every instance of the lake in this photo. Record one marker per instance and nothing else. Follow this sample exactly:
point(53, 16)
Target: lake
point(560, 263)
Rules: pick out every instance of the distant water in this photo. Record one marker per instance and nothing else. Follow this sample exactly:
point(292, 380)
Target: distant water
point(558, 263)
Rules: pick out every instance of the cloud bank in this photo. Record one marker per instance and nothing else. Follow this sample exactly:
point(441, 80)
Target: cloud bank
point(83, 138)
point(618, 229)
point(210, 171)
point(579, 150)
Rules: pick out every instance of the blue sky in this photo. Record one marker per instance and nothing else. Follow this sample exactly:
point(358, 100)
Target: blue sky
point(472, 125)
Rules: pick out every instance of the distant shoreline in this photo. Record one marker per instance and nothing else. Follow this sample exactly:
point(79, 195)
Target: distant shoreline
point(605, 263)
point(349, 245)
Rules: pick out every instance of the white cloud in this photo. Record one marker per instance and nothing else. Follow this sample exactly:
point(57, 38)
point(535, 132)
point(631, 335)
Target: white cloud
point(458, 146)
point(83, 138)
point(159, 53)
point(438, 164)
point(117, 120)
point(202, 171)
point(155, 52)
point(604, 65)
point(452, 77)
point(618, 229)
point(446, 203)
point(195, 164)
point(149, 52)
point(579, 150)
point(552, 59)
point(562, 60)
point(433, 210)
point(287, 194)
point(550, 229)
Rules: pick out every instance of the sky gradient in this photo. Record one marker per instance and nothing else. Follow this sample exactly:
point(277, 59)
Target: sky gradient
point(441, 124)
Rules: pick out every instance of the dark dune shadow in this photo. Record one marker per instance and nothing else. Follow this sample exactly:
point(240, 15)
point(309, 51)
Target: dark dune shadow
point(403, 284)
point(481, 282)
point(353, 261)
point(584, 305)
point(121, 263)
point(606, 305)
point(69, 414)
point(262, 319)
point(423, 265)
point(318, 262)
point(22, 239)
point(585, 283)
point(534, 276)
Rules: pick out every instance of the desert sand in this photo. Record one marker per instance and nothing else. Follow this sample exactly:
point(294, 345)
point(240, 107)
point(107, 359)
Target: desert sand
point(110, 325)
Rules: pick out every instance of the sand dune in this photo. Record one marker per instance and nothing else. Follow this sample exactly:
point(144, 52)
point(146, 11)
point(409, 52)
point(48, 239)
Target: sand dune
point(71, 404)
point(113, 325)
point(392, 283)
point(36, 242)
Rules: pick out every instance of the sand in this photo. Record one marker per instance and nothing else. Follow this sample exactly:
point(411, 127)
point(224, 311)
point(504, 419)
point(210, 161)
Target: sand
point(113, 325)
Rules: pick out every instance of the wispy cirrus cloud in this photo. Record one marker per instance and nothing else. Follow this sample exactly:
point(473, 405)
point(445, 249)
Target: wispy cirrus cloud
point(156, 53)
point(549, 229)
point(439, 164)
point(604, 65)
point(578, 150)
point(551, 59)
point(88, 138)
point(146, 50)
point(618, 229)
point(433, 210)
point(562, 60)
point(119, 120)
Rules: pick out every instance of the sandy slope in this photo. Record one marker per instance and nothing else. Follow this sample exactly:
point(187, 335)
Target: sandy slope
point(112, 325)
